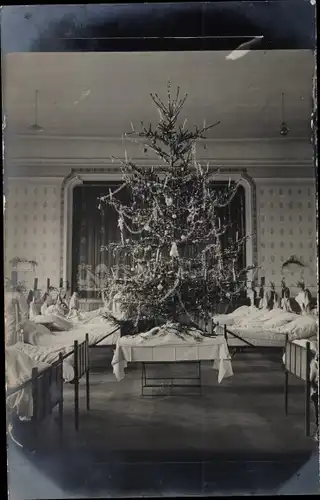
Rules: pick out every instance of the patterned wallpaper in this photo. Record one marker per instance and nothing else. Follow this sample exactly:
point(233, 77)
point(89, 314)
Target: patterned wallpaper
point(32, 228)
point(286, 219)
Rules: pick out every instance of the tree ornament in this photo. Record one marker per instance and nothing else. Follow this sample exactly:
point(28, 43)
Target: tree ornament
point(174, 250)
point(155, 212)
point(168, 201)
point(121, 225)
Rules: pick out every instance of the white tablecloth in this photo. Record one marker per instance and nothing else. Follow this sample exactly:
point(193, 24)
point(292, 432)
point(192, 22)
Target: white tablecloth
point(167, 347)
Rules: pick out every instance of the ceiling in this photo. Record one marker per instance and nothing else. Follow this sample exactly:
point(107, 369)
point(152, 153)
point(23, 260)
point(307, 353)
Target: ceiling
point(99, 94)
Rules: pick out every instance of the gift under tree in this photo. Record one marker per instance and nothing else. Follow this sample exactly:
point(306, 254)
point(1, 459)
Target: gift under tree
point(174, 265)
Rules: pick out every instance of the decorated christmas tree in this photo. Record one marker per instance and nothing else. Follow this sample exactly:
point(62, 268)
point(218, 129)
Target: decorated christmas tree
point(174, 262)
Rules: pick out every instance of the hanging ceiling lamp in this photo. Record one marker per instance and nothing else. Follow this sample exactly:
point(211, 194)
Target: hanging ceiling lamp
point(284, 130)
point(35, 126)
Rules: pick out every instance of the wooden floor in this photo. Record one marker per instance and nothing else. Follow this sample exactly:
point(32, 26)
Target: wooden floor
point(232, 438)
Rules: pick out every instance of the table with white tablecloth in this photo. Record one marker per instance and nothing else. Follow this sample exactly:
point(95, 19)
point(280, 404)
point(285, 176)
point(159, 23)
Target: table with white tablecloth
point(165, 346)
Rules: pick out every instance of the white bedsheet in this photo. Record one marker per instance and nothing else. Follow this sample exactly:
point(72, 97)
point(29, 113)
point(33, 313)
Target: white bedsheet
point(95, 332)
point(267, 328)
point(19, 367)
point(256, 337)
point(58, 321)
point(45, 351)
point(249, 317)
point(49, 355)
point(93, 323)
point(163, 345)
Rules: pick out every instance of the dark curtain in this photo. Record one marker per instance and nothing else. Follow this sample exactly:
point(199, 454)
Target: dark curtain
point(94, 227)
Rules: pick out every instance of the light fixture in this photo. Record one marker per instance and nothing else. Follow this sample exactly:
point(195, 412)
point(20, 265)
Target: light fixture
point(35, 126)
point(284, 130)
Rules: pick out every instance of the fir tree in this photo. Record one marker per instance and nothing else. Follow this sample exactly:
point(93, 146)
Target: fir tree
point(172, 264)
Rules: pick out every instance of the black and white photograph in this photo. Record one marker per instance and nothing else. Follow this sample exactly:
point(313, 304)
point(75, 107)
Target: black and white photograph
point(160, 253)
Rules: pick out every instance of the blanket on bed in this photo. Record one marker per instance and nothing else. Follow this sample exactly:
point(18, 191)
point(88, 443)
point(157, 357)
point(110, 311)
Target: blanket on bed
point(275, 321)
point(18, 370)
point(20, 359)
point(94, 324)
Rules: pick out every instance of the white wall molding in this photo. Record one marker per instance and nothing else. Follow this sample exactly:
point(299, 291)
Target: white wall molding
point(215, 162)
point(35, 180)
point(47, 152)
point(283, 180)
point(46, 137)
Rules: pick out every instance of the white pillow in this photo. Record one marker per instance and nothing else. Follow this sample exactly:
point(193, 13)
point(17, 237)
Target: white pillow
point(241, 311)
point(280, 320)
point(303, 327)
point(224, 319)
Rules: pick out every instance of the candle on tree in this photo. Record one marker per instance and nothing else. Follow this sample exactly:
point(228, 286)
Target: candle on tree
point(35, 284)
point(157, 254)
point(48, 284)
point(233, 272)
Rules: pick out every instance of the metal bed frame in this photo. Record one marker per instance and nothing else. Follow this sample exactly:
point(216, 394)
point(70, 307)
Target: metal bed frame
point(81, 367)
point(297, 363)
point(81, 353)
point(41, 381)
point(97, 346)
point(47, 393)
point(236, 349)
